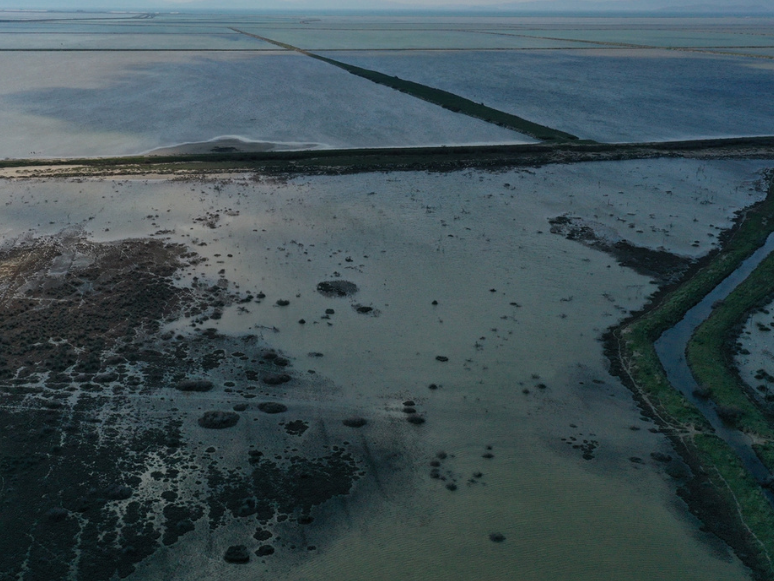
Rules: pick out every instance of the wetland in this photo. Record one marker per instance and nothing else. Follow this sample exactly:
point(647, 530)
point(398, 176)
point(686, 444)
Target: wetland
point(249, 332)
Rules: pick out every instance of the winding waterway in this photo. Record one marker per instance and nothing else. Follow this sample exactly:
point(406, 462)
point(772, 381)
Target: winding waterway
point(671, 346)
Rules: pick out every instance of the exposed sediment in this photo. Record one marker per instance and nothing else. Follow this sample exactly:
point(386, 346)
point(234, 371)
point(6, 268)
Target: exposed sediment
point(438, 159)
point(100, 464)
point(660, 264)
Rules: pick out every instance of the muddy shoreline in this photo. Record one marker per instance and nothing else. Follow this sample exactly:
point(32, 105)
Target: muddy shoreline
point(434, 159)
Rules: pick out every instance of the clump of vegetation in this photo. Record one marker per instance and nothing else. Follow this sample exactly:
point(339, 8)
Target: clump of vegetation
point(730, 414)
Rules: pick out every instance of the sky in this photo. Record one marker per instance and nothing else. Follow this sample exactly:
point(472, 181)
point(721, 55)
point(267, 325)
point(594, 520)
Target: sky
point(216, 5)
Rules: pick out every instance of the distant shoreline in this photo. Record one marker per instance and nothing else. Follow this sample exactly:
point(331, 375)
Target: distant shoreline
point(687, 11)
point(442, 158)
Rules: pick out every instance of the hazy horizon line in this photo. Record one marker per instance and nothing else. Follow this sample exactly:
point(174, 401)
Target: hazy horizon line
point(493, 9)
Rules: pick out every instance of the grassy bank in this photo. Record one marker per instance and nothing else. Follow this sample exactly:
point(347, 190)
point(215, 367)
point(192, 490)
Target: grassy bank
point(749, 518)
point(711, 360)
point(636, 338)
point(743, 497)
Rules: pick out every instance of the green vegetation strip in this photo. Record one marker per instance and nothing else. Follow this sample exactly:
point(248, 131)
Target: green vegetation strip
point(742, 494)
point(455, 103)
point(444, 99)
point(634, 355)
point(711, 360)
point(638, 336)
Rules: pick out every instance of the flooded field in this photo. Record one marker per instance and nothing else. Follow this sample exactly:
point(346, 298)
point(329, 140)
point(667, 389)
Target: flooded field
point(610, 94)
point(75, 86)
point(65, 104)
point(463, 294)
point(223, 39)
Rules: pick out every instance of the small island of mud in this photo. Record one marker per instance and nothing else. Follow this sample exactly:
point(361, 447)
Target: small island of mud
point(662, 265)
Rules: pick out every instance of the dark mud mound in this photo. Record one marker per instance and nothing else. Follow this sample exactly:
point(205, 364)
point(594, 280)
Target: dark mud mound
point(264, 551)
point(117, 492)
point(218, 420)
point(237, 554)
point(366, 310)
point(57, 514)
point(276, 378)
point(337, 288)
point(272, 407)
point(194, 385)
point(354, 422)
point(296, 427)
point(282, 487)
point(659, 264)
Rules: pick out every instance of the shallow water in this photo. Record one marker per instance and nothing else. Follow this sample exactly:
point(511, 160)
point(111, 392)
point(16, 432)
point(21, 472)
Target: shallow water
point(102, 103)
point(763, 52)
point(757, 352)
point(63, 104)
point(408, 39)
point(606, 95)
point(108, 40)
point(413, 238)
point(660, 38)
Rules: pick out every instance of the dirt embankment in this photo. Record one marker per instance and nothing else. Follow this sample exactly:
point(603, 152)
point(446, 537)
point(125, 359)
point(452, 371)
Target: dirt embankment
point(436, 159)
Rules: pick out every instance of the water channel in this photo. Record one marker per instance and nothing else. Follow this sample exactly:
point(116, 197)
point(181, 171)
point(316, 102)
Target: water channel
point(671, 346)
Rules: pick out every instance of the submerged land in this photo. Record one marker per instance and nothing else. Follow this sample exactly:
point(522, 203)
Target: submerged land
point(300, 351)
